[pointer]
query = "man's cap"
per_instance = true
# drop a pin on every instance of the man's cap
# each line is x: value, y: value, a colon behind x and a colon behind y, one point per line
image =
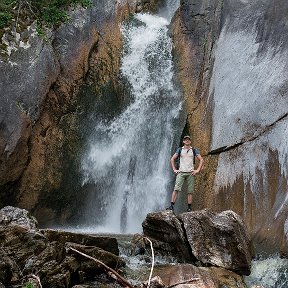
x: 187, y: 137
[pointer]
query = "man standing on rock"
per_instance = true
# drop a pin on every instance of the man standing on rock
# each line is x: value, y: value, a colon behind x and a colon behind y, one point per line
x: 185, y: 171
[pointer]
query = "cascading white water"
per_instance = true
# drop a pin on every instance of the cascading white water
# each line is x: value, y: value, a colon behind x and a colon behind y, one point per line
x: 128, y: 160
x: 268, y: 273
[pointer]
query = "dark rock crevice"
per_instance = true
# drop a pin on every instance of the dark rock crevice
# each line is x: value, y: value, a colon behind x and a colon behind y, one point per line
x: 263, y: 131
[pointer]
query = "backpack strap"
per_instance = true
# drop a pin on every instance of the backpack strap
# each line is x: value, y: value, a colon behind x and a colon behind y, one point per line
x: 195, y: 153
x: 178, y: 151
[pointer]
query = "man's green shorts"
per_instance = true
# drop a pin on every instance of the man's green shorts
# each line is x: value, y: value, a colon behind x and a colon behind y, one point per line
x: 184, y: 176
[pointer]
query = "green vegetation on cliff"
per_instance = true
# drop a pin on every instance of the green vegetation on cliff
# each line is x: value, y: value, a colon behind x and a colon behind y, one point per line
x: 46, y: 12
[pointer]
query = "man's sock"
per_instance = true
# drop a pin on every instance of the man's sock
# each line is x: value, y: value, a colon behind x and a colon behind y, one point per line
x: 189, y: 206
x: 172, y: 204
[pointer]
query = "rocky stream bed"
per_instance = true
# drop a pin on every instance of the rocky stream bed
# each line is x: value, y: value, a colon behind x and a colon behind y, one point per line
x: 194, y: 249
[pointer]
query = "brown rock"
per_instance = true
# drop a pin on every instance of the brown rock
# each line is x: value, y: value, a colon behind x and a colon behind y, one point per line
x: 257, y: 193
x: 90, y: 267
x: 44, y: 253
x: 107, y: 243
x: 200, y: 277
x: 156, y: 282
x: 166, y: 229
x: 9, y: 270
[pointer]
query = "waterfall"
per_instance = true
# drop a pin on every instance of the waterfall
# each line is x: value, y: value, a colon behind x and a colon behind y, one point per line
x: 269, y: 273
x: 128, y: 157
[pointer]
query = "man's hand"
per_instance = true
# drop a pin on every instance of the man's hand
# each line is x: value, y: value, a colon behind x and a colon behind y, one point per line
x: 194, y: 172
x: 176, y: 171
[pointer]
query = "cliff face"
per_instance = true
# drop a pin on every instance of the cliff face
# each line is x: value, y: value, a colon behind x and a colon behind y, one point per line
x: 41, y: 105
x: 232, y: 58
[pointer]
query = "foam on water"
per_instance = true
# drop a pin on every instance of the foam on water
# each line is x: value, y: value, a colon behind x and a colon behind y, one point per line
x: 128, y: 159
x: 271, y: 273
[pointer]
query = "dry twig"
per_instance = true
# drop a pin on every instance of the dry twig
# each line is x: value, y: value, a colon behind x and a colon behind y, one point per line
x: 184, y: 282
x: 36, y: 278
x: 152, y: 267
x: 107, y: 269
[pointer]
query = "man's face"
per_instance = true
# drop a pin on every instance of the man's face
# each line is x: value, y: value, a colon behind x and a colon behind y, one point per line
x: 187, y: 141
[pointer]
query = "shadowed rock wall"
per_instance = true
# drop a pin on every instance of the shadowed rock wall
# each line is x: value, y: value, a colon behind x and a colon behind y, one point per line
x: 41, y: 105
x: 232, y: 58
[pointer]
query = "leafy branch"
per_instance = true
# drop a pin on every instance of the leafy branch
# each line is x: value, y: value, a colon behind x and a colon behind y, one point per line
x: 49, y: 13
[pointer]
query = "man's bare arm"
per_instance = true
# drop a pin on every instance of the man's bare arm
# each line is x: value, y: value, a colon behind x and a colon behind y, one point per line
x: 172, y: 162
x: 200, y: 165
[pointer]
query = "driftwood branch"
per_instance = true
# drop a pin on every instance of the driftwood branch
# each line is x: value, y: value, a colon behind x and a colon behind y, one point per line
x: 152, y: 267
x: 111, y: 272
x: 184, y: 282
x: 37, y: 279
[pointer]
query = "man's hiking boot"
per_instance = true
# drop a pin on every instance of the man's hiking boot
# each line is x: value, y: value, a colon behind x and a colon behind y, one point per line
x: 189, y: 210
x: 170, y: 208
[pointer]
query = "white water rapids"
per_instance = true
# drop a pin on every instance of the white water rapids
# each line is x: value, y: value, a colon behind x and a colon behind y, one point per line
x: 128, y: 159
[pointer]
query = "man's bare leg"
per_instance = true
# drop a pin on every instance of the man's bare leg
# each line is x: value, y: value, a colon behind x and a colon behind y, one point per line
x: 174, y: 196
x: 189, y: 200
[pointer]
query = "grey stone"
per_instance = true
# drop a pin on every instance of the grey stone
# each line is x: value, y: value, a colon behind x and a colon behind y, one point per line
x: 165, y: 228
x: 10, y: 215
x: 219, y: 239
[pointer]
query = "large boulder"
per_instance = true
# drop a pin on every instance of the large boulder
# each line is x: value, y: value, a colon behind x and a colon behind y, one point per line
x: 167, y: 234
x: 217, y: 239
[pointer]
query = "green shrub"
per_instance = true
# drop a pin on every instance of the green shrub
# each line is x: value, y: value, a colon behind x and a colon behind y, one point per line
x: 5, y: 17
x: 47, y: 12
x: 28, y: 285
x: 54, y: 16
x: 7, y: 5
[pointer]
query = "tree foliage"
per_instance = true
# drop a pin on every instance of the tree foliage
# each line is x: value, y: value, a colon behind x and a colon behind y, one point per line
x: 47, y: 12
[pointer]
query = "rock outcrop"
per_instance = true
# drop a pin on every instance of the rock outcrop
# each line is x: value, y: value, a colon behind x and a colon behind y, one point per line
x: 53, y: 258
x: 42, y: 105
x: 231, y: 60
x: 231, y: 57
x: 218, y: 239
x: 26, y: 250
x: 166, y: 229
x: 201, y: 277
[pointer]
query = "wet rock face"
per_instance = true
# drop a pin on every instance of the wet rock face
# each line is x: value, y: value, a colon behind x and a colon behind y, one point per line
x: 25, y: 250
x: 41, y: 106
x: 236, y: 52
x: 218, y: 239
